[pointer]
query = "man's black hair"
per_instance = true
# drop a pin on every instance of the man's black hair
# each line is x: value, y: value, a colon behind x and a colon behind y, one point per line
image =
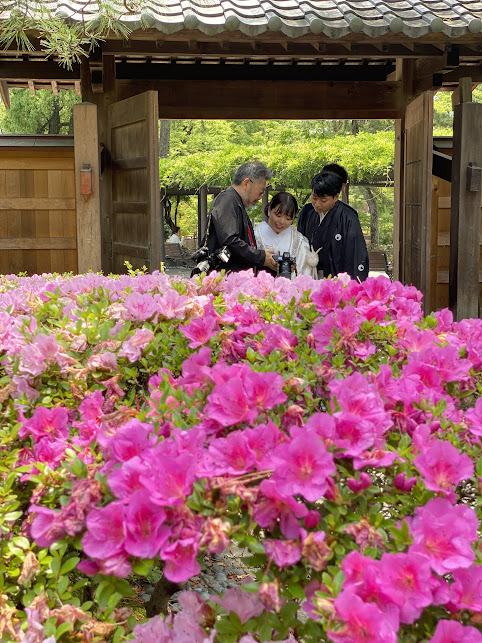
x: 326, y: 183
x: 337, y: 169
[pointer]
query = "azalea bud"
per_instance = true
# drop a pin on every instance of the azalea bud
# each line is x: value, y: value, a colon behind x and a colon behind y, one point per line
x: 216, y: 538
x: 359, y: 485
x: 333, y: 493
x: 401, y: 482
x: 295, y: 383
x: 310, y: 340
x: 312, y: 518
x: 365, y: 534
x: 269, y: 595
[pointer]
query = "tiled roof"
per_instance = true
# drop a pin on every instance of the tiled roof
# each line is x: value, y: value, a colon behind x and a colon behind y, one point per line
x: 294, y: 18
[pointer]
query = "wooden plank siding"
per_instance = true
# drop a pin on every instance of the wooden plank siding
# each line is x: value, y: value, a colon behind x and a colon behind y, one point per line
x: 37, y: 211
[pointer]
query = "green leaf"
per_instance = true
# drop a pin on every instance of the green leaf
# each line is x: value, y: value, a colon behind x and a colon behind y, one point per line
x: 62, y: 585
x: 21, y: 541
x: 265, y: 632
x: 62, y: 629
x: 142, y: 567
x: 225, y: 626
x: 69, y: 565
x: 296, y: 591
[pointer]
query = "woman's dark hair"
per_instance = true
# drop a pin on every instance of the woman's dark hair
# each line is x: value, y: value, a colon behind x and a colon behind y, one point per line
x: 176, y: 229
x: 337, y: 169
x: 285, y: 203
x: 326, y: 183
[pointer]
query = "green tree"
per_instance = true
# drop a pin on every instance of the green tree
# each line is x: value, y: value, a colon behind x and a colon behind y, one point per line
x: 43, y: 113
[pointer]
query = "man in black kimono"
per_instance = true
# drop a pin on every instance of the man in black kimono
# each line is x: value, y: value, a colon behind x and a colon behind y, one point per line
x: 230, y: 225
x: 333, y: 230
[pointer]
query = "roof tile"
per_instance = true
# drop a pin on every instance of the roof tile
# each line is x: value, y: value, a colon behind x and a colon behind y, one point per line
x: 333, y: 18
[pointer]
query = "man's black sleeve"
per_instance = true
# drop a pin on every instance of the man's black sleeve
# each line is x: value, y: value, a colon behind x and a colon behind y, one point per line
x: 227, y: 219
x: 302, y: 218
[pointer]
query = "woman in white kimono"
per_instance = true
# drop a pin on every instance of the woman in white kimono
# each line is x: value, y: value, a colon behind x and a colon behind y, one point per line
x: 279, y: 234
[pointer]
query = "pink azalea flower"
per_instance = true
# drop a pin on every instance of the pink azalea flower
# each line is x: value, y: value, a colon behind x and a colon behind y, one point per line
x: 131, y: 439
x: 170, y: 478
x: 125, y: 480
x: 231, y: 455
x: 50, y: 423
x: 357, y: 396
x: 47, y: 526
x: 106, y: 532
x: 245, y: 604
x: 273, y: 505
x: 278, y: 338
x: 261, y: 441
x: 200, y: 330
x: 442, y: 466
x: 466, y: 589
x: 473, y: 418
x: 374, y: 458
x: 171, y: 304
x: 146, y: 532
x: 454, y: 632
x: 229, y: 404
x: 406, y: 581
x: 283, y: 552
x: 363, y: 622
x: 303, y: 466
x: 102, y: 361
x: 180, y: 558
x: 196, y: 368
x: 140, y: 307
x: 132, y: 348
x: 50, y: 452
x: 442, y: 533
x: 264, y: 390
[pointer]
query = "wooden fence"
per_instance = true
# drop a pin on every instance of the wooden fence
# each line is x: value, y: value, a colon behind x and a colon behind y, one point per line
x: 37, y: 205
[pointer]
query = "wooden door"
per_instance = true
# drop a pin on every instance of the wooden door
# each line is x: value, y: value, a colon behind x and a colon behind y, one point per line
x: 132, y: 203
x: 417, y: 198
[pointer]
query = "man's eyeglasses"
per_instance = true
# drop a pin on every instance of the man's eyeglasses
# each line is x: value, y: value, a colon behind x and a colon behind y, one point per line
x: 261, y: 192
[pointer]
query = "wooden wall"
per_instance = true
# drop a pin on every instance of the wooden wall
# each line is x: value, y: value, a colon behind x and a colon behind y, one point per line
x: 440, y: 251
x: 37, y: 210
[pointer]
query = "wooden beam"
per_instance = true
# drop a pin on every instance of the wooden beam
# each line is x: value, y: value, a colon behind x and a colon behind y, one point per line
x: 47, y: 70
x: 38, y: 243
x: 270, y: 49
x: 86, y: 150
x: 270, y: 99
x: 465, y: 212
x: 5, y: 94
x: 308, y: 73
x: 78, y: 89
x: 55, y: 89
x: 470, y: 71
x: 463, y: 93
x: 31, y: 87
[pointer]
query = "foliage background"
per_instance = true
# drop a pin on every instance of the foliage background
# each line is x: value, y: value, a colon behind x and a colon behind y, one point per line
x: 208, y: 152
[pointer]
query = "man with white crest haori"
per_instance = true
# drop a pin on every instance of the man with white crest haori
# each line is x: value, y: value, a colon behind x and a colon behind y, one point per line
x: 333, y: 230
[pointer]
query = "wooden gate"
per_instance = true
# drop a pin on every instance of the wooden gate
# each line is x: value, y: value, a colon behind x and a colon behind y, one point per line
x: 415, y: 264
x: 131, y: 199
x: 37, y: 205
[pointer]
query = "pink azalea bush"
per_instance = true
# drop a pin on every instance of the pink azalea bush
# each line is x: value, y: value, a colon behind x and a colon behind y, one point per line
x: 325, y: 426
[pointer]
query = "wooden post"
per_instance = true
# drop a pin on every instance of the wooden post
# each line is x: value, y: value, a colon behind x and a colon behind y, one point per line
x: 162, y: 247
x: 87, y: 167
x: 202, y: 209
x: 264, y: 203
x: 465, y: 211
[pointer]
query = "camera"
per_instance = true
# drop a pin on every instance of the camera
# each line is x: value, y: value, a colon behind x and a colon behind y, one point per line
x: 206, y: 261
x: 285, y: 262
